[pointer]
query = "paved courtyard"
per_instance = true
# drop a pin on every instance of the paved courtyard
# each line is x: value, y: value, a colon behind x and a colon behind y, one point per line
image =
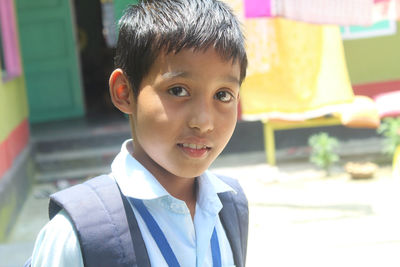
x: 298, y: 217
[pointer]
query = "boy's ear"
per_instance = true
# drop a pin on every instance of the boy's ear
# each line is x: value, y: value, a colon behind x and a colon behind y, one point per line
x: 121, y: 92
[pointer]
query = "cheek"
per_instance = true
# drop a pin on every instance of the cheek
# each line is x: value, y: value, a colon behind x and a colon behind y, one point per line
x: 156, y: 108
x: 156, y: 123
x: 225, y: 123
x: 151, y: 125
x: 150, y: 109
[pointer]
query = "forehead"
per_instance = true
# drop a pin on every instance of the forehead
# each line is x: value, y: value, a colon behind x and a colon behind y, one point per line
x: 190, y: 63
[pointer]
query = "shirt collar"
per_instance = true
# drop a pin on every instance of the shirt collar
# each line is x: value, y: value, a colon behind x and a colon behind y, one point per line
x: 209, y: 186
x: 133, y: 178
x: 137, y: 182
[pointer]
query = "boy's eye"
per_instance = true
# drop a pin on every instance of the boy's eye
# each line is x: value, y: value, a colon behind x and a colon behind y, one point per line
x: 224, y: 96
x: 178, y: 91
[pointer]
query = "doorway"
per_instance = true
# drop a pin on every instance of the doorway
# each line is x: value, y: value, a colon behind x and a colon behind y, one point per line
x: 96, y: 58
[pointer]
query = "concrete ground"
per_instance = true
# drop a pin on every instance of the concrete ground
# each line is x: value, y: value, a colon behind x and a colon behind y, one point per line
x: 298, y: 217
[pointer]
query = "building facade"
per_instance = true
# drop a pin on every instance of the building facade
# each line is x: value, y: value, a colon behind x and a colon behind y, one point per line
x: 14, y: 125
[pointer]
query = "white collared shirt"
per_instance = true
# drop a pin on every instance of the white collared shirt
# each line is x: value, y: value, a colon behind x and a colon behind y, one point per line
x: 58, y: 245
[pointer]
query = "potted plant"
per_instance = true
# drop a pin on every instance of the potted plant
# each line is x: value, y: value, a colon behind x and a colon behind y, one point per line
x: 389, y: 129
x: 323, y: 152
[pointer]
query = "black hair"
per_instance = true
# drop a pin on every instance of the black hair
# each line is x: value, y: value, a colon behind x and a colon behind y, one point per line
x: 154, y: 26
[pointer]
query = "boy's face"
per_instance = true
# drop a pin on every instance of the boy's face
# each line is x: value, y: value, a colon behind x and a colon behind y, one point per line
x: 185, y: 112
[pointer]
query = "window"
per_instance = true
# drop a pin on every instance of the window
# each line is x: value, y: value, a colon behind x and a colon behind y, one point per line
x: 381, y: 28
x: 9, y: 46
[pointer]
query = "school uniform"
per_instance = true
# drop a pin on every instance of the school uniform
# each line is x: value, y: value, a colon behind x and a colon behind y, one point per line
x: 190, y: 240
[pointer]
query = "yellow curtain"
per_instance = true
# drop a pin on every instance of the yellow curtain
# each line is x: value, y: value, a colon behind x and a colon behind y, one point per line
x: 296, y: 70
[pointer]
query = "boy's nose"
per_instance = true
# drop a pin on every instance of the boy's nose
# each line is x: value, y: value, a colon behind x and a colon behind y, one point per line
x: 201, y: 117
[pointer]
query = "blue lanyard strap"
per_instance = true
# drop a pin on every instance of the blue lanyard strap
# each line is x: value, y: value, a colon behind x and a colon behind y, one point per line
x: 162, y: 242
x: 157, y: 234
x: 216, y: 252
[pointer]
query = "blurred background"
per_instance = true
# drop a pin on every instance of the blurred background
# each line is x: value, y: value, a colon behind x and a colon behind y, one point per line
x: 316, y: 147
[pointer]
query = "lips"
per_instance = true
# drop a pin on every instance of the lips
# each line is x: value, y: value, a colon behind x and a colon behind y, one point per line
x: 194, y: 150
x: 194, y: 146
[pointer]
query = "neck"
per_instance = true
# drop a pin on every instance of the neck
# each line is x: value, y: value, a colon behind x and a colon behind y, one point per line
x: 184, y: 189
x: 181, y: 188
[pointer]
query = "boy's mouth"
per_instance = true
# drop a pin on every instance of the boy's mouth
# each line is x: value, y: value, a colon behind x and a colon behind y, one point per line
x: 194, y: 150
x: 194, y: 146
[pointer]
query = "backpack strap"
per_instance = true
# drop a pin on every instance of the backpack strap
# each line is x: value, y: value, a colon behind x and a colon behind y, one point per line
x: 99, y: 213
x: 142, y: 257
x: 235, y: 219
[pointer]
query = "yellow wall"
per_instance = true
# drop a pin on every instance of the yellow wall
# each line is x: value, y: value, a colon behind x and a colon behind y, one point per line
x: 13, y: 105
x: 374, y: 59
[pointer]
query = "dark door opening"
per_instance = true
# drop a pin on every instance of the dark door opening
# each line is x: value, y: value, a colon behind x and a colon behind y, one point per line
x: 96, y: 57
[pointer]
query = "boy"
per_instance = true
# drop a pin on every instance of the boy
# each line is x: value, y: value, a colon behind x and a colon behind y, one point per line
x: 179, y: 66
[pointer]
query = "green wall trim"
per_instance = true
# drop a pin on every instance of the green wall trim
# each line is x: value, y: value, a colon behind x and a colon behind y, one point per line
x: 120, y: 5
x: 373, y: 59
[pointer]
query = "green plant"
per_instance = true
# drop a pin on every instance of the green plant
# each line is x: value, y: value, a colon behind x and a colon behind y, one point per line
x: 390, y: 130
x: 323, y: 152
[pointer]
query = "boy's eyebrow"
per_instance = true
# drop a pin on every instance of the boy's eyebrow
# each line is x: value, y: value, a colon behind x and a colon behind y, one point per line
x: 185, y: 74
x: 175, y: 74
x: 232, y: 79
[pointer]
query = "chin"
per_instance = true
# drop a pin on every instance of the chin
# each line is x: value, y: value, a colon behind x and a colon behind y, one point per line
x: 189, y: 171
x: 188, y: 168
